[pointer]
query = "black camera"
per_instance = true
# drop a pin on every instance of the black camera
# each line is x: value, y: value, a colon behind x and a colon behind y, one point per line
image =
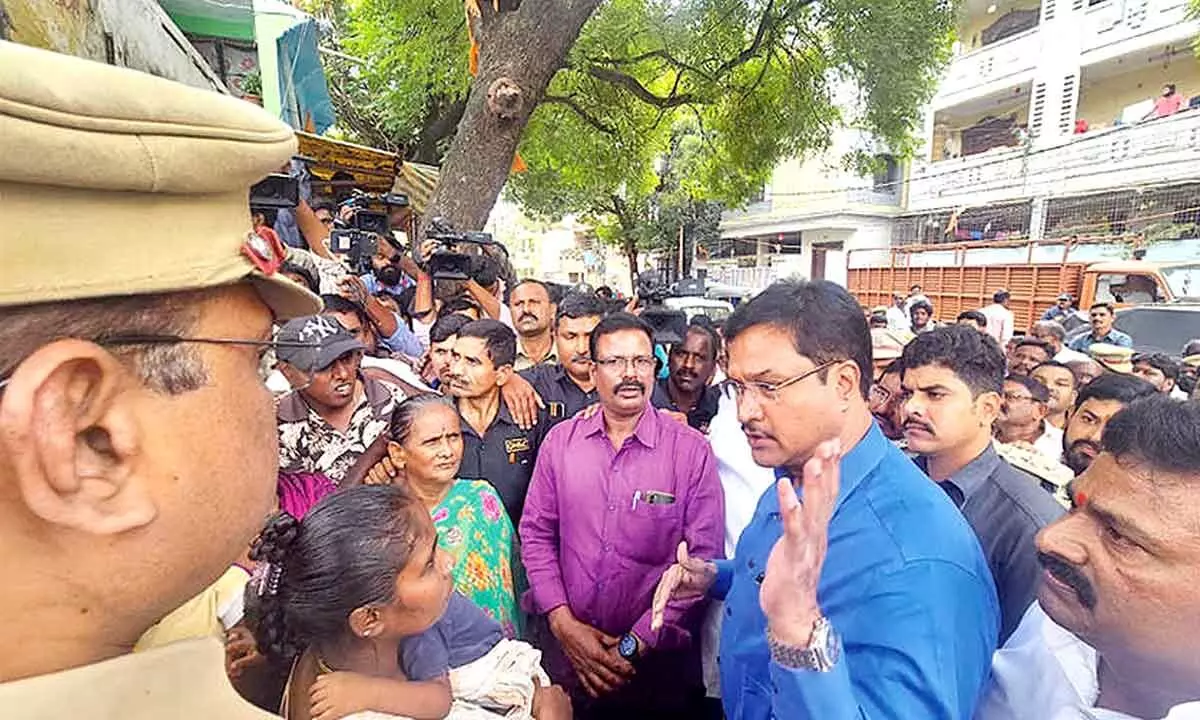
x: 453, y: 257
x: 359, y: 237
x: 669, y: 326
x: 275, y: 192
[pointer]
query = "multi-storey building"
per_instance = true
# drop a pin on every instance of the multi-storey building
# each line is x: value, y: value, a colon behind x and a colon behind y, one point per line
x: 810, y: 214
x: 1043, y: 127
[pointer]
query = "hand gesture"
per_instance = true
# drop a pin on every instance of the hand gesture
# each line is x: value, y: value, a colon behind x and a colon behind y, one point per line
x: 592, y: 653
x: 789, y: 588
x: 522, y: 400
x: 383, y: 472
x: 241, y: 652
x: 353, y: 289
x: 550, y: 703
x: 338, y: 694
x: 631, y: 307
x: 689, y: 577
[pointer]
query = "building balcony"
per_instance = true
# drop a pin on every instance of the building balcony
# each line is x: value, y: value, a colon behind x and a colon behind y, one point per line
x: 993, y: 67
x: 1117, y: 27
x: 1152, y: 152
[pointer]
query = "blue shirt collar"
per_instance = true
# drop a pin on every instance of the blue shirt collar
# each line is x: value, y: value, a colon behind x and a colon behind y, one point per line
x: 864, y: 457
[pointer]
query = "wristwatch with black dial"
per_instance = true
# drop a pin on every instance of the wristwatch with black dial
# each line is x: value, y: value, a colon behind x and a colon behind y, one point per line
x: 821, y: 655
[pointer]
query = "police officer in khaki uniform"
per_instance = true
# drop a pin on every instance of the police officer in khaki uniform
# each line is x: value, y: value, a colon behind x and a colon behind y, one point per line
x: 137, y: 440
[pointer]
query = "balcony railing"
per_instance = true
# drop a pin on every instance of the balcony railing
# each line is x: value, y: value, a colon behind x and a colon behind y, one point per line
x: 1006, y: 59
x: 1157, y: 151
x: 1115, y: 21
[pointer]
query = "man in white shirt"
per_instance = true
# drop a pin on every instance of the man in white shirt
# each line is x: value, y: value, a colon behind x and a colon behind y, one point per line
x: 744, y: 481
x: 1000, y: 318
x: 1112, y: 636
x: 1023, y: 416
x: 897, y: 314
x: 1055, y: 335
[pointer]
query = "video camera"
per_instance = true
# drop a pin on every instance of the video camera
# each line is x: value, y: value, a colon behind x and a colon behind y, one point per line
x: 358, y: 239
x: 275, y: 192
x: 448, y: 261
x: 669, y: 326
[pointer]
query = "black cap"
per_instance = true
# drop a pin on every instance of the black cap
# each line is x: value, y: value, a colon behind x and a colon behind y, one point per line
x: 333, y: 341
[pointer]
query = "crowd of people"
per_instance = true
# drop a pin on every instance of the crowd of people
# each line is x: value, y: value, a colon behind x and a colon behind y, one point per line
x: 240, y: 480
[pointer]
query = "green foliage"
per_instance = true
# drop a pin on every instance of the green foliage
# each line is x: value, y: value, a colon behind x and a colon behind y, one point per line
x: 723, y: 89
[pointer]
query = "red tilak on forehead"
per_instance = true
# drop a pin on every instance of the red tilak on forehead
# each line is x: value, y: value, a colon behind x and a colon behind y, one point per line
x: 1081, y: 498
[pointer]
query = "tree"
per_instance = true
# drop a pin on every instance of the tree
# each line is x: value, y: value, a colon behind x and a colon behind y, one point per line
x: 593, y: 108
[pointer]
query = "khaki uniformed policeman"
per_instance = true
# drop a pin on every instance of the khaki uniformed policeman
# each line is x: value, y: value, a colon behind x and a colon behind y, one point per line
x: 1113, y: 357
x: 137, y: 441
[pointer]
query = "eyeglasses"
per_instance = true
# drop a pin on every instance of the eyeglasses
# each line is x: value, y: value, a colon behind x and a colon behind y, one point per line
x: 879, y: 396
x: 1013, y: 397
x: 769, y: 392
x: 641, y: 363
x: 264, y: 370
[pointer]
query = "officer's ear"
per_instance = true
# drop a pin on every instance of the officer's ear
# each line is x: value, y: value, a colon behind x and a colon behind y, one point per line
x: 503, y: 374
x: 69, y: 427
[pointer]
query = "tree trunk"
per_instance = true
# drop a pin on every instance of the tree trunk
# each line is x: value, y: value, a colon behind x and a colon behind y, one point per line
x: 526, y: 46
x: 631, y: 254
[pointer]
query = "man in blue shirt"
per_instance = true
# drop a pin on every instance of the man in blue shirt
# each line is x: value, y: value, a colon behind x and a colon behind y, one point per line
x: 1102, y: 316
x: 1060, y: 310
x: 876, y: 564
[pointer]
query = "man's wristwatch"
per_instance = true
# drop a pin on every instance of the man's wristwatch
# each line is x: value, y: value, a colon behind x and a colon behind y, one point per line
x: 628, y: 647
x: 822, y: 654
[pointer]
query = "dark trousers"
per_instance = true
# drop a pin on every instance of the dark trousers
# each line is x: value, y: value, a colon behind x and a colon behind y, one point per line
x: 667, y: 685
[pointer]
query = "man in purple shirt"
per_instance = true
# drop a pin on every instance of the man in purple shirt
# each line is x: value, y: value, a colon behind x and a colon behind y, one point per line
x: 612, y: 497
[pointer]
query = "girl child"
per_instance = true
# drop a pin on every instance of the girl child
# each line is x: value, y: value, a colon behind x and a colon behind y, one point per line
x: 360, y: 599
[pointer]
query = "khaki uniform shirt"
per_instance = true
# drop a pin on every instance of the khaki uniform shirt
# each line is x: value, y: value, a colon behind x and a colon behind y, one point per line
x: 182, y: 680
x: 524, y: 362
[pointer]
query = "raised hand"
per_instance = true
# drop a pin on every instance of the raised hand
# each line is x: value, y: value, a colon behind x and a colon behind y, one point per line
x: 789, y: 588
x: 689, y: 577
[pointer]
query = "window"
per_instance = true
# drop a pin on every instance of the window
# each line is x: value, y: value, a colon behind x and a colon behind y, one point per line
x: 887, y: 174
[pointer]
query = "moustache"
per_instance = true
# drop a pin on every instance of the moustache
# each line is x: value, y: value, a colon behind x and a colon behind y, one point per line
x: 630, y: 385
x: 582, y: 359
x: 1069, y: 575
x: 1084, y: 444
x: 918, y: 425
x: 527, y: 316
x: 752, y: 429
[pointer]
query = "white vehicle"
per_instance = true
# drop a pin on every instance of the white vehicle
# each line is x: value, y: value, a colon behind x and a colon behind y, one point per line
x: 716, y: 310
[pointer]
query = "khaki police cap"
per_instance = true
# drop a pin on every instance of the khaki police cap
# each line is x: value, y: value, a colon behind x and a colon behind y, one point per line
x: 115, y: 182
x: 1114, y: 357
x: 1192, y: 361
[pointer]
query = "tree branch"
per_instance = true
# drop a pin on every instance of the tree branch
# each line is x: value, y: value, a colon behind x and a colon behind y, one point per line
x: 661, y: 54
x: 583, y: 114
x: 638, y: 90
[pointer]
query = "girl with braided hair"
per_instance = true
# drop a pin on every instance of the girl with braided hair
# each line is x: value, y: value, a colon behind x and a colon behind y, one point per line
x: 359, y: 598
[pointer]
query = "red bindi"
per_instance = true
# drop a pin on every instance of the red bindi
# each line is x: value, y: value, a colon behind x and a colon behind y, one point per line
x: 1081, y: 499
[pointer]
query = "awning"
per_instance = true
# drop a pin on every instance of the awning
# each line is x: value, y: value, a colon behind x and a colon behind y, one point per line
x: 372, y: 170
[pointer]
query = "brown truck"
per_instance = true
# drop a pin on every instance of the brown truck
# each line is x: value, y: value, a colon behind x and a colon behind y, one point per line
x: 963, y: 276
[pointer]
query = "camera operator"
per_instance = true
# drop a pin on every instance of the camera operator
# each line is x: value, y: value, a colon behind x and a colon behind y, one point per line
x: 393, y: 334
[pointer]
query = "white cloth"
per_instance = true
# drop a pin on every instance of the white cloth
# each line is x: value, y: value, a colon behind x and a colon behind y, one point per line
x: 898, y: 320
x: 506, y: 317
x: 744, y: 482
x: 1047, y: 673
x: 1000, y: 323
x: 399, y: 368
x: 1050, y: 443
x: 502, y: 679
x: 1067, y: 355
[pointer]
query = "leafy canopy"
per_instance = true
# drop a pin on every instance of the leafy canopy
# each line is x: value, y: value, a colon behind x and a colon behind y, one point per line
x: 722, y: 89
